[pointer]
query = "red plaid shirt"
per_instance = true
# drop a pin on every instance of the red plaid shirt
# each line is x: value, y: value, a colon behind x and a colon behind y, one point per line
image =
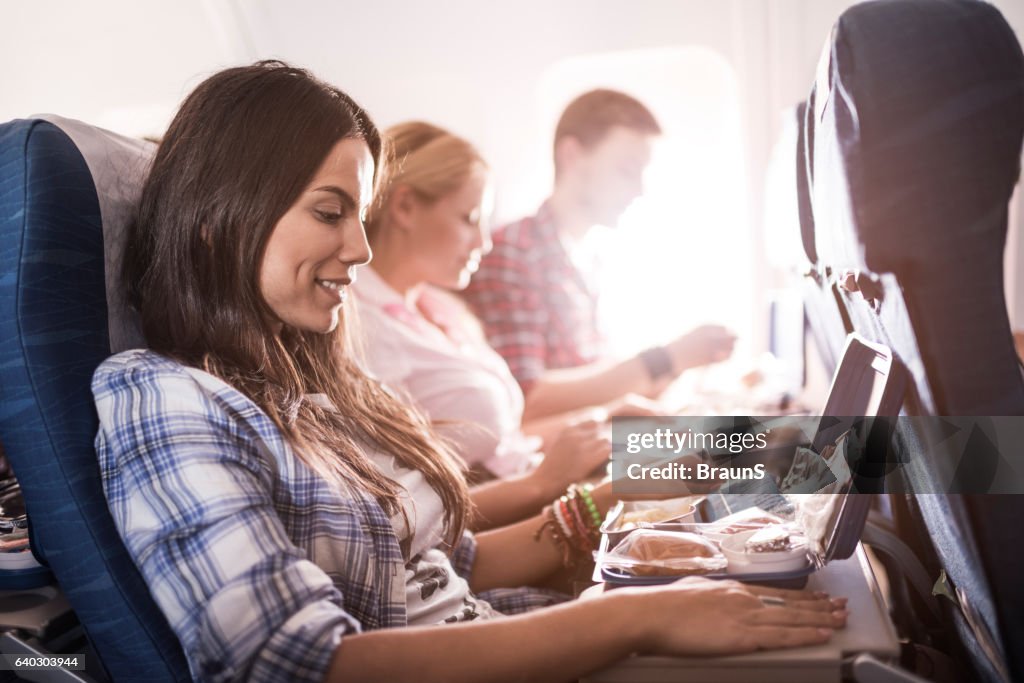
x: 538, y: 310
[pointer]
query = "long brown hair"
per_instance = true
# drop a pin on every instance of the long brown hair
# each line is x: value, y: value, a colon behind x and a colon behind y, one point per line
x: 237, y: 156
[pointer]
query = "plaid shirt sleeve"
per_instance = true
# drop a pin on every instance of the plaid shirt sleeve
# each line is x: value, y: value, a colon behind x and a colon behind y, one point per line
x: 507, y: 295
x: 189, y: 491
x: 464, y: 555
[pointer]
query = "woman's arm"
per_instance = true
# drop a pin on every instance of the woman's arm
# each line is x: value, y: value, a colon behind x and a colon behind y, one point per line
x: 578, y: 451
x: 514, y: 555
x: 504, y: 501
x: 630, y: 405
x: 690, y: 617
x: 570, y: 389
x: 548, y: 428
x: 556, y: 644
x: 559, y: 391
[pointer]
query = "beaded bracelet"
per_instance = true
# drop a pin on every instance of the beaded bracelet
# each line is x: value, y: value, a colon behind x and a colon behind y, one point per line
x: 580, y: 495
x: 579, y: 523
x: 574, y: 522
x: 588, y: 500
x: 580, y: 538
x: 552, y: 525
x: 563, y: 522
x: 589, y: 518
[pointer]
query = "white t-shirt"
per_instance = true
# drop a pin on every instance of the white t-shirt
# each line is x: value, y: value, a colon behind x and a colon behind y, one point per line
x: 453, y: 375
x: 434, y: 593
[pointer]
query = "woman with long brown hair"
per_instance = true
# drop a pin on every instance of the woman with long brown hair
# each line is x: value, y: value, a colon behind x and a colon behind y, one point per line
x: 285, y: 511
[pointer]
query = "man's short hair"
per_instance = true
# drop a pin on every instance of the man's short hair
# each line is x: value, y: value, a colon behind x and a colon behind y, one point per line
x: 589, y: 117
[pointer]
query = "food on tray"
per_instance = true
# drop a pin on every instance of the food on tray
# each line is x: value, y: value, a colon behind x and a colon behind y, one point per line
x: 648, y: 552
x: 778, y: 550
x: 749, y: 525
x: 748, y: 519
x: 655, y: 514
x: 664, y: 546
x: 770, y: 539
x: 650, y: 515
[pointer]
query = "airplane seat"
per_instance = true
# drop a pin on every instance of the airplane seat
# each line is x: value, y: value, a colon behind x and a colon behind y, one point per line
x: 912, y: 148
x: 826, y: 318
x: 66, y: 195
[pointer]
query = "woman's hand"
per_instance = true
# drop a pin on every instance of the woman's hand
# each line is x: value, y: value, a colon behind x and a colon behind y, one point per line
x: 703, y: 617
x: 576, y: 453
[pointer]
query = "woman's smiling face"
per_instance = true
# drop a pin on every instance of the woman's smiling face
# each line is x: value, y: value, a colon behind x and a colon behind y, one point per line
x: 313, y: 250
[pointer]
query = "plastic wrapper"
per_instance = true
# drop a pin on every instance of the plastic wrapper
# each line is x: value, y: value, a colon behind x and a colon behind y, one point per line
x: 654, y: 552
x: 654, y: 512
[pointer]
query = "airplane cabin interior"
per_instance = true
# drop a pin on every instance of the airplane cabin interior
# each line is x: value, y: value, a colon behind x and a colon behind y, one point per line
x: 829, y: 199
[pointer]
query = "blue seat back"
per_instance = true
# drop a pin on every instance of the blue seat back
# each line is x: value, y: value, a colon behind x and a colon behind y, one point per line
x: 911, y: 149
x: 58, y: 210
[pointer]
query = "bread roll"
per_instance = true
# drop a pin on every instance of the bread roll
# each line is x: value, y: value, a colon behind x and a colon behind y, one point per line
x: 662, y: 553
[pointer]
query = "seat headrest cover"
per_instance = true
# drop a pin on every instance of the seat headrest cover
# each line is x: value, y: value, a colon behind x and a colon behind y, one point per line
x: 118, y: 165
x: 919, y: 124
x: 805, y: 211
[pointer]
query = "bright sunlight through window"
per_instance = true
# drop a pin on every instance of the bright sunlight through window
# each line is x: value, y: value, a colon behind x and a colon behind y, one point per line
x: 681, y: 254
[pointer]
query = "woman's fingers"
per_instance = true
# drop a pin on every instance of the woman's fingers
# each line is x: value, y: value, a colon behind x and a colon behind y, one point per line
x: 586, y: 427
x: 791, y: 616
x: 773, y: 637
x: 599, y: 447
x: 787, y: 593
x: 811, y: 600
x: 831, y: 605
x: 729, y: 617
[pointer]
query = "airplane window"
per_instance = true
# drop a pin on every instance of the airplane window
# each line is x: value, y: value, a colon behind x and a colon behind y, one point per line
x: 681, y: 254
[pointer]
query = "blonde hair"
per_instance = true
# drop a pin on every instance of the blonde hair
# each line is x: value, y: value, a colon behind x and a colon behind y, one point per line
x: 428, y: 159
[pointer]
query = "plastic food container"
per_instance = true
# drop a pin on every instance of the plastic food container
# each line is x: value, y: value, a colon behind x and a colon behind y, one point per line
x: 625, y: 517
x: 741, y: 561
x: 658, y: 552
x: 750, y: 519
x: 868, y: 382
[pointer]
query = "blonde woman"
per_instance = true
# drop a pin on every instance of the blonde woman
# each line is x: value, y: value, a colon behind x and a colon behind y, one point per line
x: 292, y: 520
x: 428, y: 230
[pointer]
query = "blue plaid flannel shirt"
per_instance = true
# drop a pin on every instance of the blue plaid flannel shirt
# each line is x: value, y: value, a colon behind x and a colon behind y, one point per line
x: 260, y: 566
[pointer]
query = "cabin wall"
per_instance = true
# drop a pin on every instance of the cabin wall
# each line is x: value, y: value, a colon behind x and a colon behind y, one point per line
x: 474, y: 67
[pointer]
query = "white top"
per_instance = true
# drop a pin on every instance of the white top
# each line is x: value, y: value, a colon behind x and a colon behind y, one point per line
x: 453, y: 375
x: 434, y: 593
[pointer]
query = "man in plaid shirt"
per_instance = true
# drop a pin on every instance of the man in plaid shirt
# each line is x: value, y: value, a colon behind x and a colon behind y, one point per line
x: 538, y: 306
